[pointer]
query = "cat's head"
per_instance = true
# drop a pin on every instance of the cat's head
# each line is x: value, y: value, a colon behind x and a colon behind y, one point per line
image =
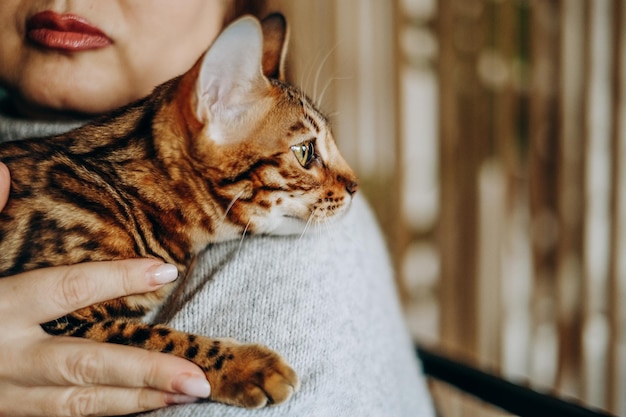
x: 268, y: 153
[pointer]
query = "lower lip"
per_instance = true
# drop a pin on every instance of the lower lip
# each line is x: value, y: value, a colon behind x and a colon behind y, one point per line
x: 66, y: 32
x: 67, y: 41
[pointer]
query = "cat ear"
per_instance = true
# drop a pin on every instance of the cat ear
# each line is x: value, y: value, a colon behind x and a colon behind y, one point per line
x: 230, y: 76
x: 275, y: 39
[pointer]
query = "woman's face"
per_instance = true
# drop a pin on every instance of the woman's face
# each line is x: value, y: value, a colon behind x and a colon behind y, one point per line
x: 90, y: 56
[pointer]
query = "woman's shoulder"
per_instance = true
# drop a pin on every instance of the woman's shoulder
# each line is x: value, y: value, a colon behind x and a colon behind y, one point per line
x: 336, y: 256
x: 326, y: 301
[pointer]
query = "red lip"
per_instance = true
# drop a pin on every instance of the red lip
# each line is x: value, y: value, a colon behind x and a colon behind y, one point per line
x: 66, y: 32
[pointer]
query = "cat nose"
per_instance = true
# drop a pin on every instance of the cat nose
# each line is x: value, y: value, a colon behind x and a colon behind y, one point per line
x: 350, y: 183
x: 351, y: 187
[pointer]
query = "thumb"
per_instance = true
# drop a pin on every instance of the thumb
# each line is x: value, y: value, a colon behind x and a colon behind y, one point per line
x: 5, y: 184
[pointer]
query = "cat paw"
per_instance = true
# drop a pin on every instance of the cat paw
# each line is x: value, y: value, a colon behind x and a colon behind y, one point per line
x: 250, y: 376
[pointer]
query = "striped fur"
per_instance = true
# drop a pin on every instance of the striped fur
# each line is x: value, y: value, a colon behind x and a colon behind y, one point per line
x: 193, y: 163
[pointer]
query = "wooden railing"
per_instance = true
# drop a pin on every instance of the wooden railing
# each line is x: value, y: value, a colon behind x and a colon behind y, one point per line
x: 490, y: 137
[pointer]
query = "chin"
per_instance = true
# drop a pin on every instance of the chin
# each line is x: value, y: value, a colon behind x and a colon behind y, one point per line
x: 77, y: 86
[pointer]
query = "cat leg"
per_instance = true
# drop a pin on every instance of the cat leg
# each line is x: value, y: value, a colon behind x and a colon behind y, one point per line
x: 245, y: 375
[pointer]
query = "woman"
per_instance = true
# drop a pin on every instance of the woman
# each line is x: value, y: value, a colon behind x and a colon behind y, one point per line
x: 326, y: 302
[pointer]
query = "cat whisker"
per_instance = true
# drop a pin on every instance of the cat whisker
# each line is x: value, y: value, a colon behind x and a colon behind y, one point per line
x: 243, y: 235
x: 333, y: 115
x: 327, y: 225
x: 319, y: 72
x: 228, y: 208
x: 322, y: 225
x: 323, y: 232
x: 308, y: 223
x: 306, y: 75
x: 320, y: 99
x: 231, y: 204
x: 331, y: 235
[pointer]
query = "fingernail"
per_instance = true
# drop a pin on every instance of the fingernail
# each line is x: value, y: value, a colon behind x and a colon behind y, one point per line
x: 195, y: 387
x: 163, y: 274
x: 174, y: 399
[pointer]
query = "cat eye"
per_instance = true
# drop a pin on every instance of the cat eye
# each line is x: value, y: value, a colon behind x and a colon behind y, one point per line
x: 304, y: 152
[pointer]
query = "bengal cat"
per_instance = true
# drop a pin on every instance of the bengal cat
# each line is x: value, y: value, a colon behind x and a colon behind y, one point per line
x: 225, y: 149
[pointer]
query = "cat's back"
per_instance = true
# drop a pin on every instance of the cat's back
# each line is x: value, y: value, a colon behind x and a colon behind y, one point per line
x: 64, y: 204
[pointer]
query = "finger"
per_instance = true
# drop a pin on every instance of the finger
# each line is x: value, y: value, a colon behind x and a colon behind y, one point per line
x: 68, y: 361
x: 46, y: 294
x: 5, y: 184
x: 84, y: 401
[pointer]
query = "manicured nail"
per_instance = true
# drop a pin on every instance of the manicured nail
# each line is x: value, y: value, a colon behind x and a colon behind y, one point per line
x: 174, y: 399
x: 163, y: 274
x: 195, y: 387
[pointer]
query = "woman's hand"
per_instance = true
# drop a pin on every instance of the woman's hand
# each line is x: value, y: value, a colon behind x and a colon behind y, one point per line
x: 5, y: 184
x: 65, y: 376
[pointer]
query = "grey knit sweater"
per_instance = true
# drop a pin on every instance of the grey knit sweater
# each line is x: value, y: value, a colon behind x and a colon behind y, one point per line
x: 325, y: 301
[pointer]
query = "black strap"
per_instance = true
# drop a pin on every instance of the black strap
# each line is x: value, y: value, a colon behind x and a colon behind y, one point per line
x: 501, y: 393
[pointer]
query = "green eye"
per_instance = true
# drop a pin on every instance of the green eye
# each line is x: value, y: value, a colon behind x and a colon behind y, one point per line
x: 304, y: 152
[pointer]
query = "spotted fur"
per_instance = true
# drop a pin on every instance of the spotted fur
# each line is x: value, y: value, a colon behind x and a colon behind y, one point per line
x: 228, y: 148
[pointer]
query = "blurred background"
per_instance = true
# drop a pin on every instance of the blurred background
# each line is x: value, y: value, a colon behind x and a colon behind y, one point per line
x: 489, y: 136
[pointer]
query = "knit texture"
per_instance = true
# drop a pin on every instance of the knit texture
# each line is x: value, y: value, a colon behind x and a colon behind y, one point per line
x: 326, y: 301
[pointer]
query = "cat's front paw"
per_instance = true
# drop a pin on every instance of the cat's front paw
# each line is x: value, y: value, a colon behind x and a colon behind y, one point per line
x: 250, y: 376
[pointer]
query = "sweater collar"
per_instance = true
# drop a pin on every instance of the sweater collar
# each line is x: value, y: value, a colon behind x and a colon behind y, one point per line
x: 13, y: 128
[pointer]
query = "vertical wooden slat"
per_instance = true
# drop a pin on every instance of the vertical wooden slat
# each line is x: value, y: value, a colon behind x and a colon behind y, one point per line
x: 617, y: 399
x: 586, y: 51
x: 448, y: 130
x: 543, y: 134
x: 507, y: 39
x: 511, y: 143
x: 413, y: 212
x: 495, y: 68
x: 613, y: 397
x: 462, y: 125
x: 597, y: 208
x: 618, y: 378
x: 570, y: 197
x: 491, y: 207
x: 399, y: 234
